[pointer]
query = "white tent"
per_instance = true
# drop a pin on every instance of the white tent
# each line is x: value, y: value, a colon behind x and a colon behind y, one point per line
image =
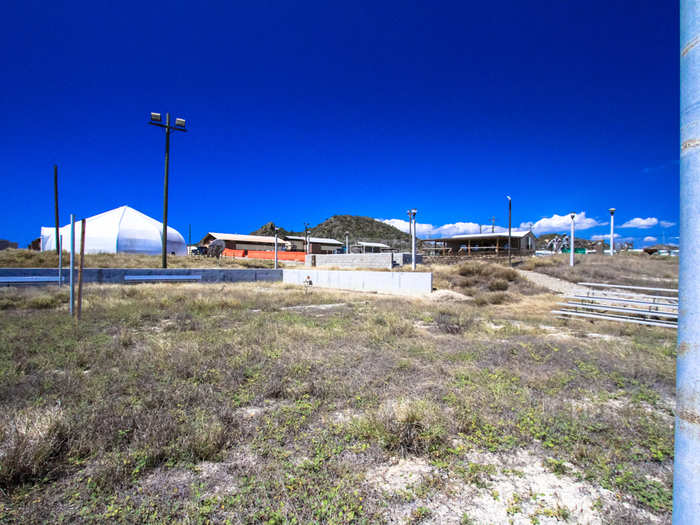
x: 121, y: 230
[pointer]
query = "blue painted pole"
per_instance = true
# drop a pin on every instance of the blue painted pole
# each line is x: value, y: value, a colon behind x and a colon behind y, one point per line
x: 72, y: 262
x: 686, y: 465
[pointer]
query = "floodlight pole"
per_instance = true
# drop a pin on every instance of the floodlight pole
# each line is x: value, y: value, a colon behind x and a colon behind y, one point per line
x: 276, y: 247
x: 412, y: 229
x: 164, y: 254
x: 55, y: 199
x: 306, y: 237
x: 612, y: 231
x: 571, y: 243
x: 686, y: 464
x: 510, y: 202
x: 168, y: 129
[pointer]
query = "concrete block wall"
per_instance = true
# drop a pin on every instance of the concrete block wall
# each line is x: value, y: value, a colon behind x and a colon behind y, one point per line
x: 408, y: 283
x: 353, y: 260
x: 363, y: 260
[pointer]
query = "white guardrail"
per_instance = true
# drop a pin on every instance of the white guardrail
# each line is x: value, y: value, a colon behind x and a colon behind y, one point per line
x: 622, y: 303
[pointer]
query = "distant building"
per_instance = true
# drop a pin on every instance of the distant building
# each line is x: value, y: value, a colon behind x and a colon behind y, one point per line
x: 5, y: 244
x: 370, y: 247
x: 236, y: 241
x: 523, y: 243
x: 317, y: 245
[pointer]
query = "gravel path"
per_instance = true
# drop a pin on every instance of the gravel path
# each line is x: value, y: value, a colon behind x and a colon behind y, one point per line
x: 552, y: 283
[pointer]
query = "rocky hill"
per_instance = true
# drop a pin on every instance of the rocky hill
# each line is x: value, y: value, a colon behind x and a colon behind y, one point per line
x: 359, y: 228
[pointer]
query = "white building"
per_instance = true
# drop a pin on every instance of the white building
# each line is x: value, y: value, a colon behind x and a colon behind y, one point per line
x: 121, y: 230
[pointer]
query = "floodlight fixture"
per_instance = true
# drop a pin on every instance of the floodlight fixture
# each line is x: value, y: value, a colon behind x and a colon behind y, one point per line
x: 180, y: 122
x: 612, y: 211
x: 155, y: 117
x: 572, y: 215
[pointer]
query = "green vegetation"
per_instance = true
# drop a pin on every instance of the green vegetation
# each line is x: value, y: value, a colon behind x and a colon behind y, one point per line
x: 213, y: 404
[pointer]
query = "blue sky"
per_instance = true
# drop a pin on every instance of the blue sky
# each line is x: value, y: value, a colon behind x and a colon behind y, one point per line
x: 299, y: 111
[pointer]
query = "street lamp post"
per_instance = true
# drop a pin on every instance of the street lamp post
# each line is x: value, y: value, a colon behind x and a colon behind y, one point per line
x: 572, y: 243
x: 510, y: 202
x: 156, y: 120
x: 612, y: 230
x: 412, y: 227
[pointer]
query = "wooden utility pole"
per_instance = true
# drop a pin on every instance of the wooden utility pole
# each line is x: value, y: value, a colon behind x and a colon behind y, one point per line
x: 493, y: 224
x: 55, y: 201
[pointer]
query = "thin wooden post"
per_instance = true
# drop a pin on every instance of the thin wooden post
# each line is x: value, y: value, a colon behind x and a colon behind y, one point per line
x: 55, y: 201
x: 80, y: 268
x: 469, y: 247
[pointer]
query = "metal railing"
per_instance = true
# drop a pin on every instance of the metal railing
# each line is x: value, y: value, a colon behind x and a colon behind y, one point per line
x: 613, y: 302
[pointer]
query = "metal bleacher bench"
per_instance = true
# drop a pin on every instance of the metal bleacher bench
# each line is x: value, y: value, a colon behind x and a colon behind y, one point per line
x: 165, y: 277
x: 613, y: 302
x: 28, y: 279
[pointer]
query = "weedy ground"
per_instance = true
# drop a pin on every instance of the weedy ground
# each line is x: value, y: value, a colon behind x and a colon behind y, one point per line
x: 636, y: 269
x: 259, y: 403
x: 49, y: 259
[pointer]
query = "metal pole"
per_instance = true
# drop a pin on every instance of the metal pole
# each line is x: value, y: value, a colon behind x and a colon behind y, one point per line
x: 510, y: 260
x: 55, y: 200
x: 347, y: 242
x: 72, y: 262
x: 60, y: 260
x: 80, y: 268
x: 165, y: 192
x: 686, y: 465
x: 572, y: 243
x: 413, y: 244
x: 275, y: 248
x: 612, y: 231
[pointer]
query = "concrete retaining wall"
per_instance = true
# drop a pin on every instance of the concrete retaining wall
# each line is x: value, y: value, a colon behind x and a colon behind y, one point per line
x: 409, y: 283
x: 116, y: 275
x: 362, y: 260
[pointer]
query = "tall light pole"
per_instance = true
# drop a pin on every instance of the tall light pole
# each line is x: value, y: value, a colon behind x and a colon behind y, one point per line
x: 686, y: 464
x: 347, y: 242
x: 156, y: 120
x: 612, y: 231
x: 572, y: 243
x: 510, y: 202
x: 276, y: 230
x: 412, y: 227
x: 306, y: 236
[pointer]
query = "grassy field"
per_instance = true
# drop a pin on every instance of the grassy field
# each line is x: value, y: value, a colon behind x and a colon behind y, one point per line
x: 630, y: 269
x: 49, y: 259
x: 258, y: 403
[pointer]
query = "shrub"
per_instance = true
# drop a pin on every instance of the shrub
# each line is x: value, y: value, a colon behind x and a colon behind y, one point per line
x: 507, y: 274
x: 469, y: 269
x: 497, y: 298
x: 498, y: 285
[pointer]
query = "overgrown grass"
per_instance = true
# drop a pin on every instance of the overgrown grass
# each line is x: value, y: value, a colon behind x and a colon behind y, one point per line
x: 198, y: 403
x: 49, y: 259
x: 624, y: 268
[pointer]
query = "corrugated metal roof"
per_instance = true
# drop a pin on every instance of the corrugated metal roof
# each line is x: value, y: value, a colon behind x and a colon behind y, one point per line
x: 317, y: 240
x: 372, y: 244
x: 237, y: 237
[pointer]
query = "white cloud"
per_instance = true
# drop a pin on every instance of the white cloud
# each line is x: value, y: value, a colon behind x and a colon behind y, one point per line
x: 640, y: 223
x: 667, y: 224
x: 605, y: 237
x: 650, y: 238
x: 557, y: 223
x: 446, y: 230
